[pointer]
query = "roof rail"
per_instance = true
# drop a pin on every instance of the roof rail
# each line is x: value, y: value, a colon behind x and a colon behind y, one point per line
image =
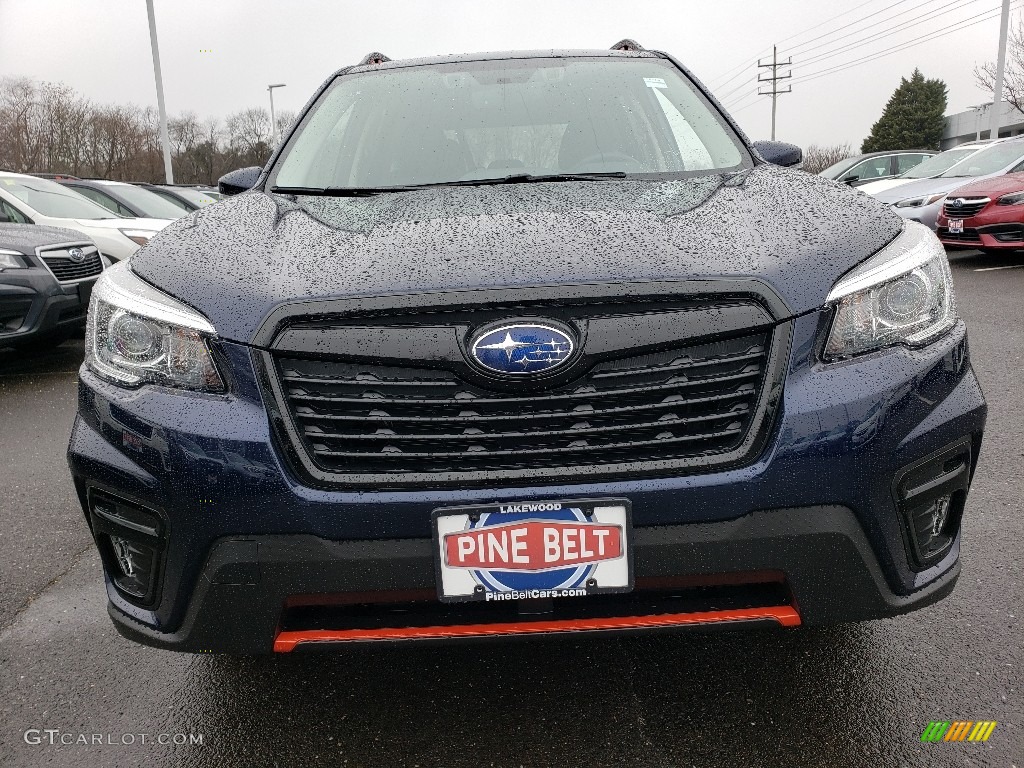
x: 373, y: 58
x: 54, y: 176
x: 628, y: 45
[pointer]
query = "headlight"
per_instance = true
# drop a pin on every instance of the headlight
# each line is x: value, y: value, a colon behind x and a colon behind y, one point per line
x: 11, y: 260
x: 919, y: 202
x: 139, y: 335
x: 1017, y: 198
x: 139, y: 236
x: 901, y: 295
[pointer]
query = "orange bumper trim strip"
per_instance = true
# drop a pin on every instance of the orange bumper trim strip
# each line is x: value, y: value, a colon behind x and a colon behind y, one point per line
x: 286, y: 641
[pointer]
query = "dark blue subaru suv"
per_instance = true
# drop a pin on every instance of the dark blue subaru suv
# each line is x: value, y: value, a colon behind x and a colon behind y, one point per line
x: 519, y: 344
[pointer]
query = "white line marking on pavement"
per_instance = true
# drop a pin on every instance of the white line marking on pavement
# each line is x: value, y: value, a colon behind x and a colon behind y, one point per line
x: 993, y: 269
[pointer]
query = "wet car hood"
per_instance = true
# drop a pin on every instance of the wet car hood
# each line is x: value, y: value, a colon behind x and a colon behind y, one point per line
x: 994, y: 187
x: 920, y: 188
x: 237, y: 261
x: 25, y: 238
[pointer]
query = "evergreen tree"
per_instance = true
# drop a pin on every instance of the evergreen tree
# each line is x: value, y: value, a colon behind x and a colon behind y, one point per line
x: 913, y: 117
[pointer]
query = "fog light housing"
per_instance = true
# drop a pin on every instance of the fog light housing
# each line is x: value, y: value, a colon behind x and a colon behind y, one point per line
x: 131, y: 541
x: 930, y: 495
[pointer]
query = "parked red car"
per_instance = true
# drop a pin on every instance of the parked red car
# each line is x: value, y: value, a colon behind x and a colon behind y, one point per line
x: 987, y: 214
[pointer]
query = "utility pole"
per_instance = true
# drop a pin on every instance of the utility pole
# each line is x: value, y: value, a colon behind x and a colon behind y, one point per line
x: 164, y: 139
x: 997, y: 91
x: 774, y: 80
x: 273, y: 117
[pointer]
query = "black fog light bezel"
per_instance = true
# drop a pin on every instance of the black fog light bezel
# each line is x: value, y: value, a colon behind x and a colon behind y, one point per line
x: 917, y: 486
x: 113, y: 516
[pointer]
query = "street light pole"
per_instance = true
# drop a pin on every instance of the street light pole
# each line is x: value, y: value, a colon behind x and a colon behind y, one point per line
x: 273, y: 119
x: 997, y: 91
x: 164, y: 138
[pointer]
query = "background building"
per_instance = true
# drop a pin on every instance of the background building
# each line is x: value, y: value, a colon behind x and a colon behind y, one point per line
x: 973, y: 124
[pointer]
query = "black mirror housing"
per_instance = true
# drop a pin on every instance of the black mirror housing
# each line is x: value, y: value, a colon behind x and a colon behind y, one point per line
x: 779, y: 153
x: 239, y: 180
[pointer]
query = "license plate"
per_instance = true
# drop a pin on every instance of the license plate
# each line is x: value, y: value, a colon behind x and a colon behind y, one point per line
x: 956, y: 226
x: 533, y: 550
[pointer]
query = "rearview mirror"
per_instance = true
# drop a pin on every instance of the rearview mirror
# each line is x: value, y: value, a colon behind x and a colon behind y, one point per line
x: 239, y: 180
x: 779, y: 153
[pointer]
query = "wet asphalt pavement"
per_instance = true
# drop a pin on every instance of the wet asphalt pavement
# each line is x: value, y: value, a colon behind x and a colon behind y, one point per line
x: 848, y: 696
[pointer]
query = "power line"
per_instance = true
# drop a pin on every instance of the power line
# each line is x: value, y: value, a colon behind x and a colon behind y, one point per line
x: 732, y: 74
x: 827, y: 54
x: 802, y: 47
x: 823, y: 23
x: 739, y: 106
x: 963, y: 24
x: 875, y: 36
x: 733, y: 101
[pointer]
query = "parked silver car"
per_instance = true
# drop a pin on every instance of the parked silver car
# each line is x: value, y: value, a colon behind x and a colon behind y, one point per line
x: 863, y: 169
x: 936, y: 165
x: 922, y: 200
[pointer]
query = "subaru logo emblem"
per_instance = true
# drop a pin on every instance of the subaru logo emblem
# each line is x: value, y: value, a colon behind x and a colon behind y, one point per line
x: 77, y: 255
x: 522, y: 348
x: 958, y: 202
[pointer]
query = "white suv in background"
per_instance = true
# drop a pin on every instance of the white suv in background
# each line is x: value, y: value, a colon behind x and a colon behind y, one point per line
x: 929, y: 169
x: 28, y: 199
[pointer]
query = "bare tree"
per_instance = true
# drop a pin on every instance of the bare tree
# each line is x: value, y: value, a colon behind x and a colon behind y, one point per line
x: 1013, y: 74
x: 284, y: 120
x: 21, y: 145
x: 249, y: 134
x: 817, y: 159
x: 50, y: 128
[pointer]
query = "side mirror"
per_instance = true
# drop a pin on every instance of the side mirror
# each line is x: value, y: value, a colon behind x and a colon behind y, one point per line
x: 239, y: 181
x: 4, y: 218
x: 779, y: 153
x: 850, y: 179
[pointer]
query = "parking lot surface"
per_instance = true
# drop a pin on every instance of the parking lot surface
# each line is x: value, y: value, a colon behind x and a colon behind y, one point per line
x: 849, y: 696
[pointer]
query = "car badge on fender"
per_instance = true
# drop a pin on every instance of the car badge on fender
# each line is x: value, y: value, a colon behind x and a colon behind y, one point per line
x: 522, y: 348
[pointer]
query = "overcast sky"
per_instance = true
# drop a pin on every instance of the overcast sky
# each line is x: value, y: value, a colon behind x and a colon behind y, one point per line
x: 219, y: 55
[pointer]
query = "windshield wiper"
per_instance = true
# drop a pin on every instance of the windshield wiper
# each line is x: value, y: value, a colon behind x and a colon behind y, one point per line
x: 518, y: 178
x: 338, y: 191
x: 530, y: 178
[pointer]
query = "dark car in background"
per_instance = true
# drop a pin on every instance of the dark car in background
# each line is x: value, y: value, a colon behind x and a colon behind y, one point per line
x: 875, y: 166
x: 518, y: 344
x: 46, y: 279
x: 188, y: 198
x: 986, y: 214
x: 125, y: 199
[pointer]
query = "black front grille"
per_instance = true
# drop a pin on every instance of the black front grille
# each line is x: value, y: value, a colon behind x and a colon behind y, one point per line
x: 679, y: 405
x: 66, y: 270
x: 965, y: 236
x: 968, y: 206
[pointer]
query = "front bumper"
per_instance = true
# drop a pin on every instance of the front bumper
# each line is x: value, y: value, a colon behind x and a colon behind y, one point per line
x: 34, y: 305
x: 821, y: 552
x: 814, y: 514
x: 925, y: 214
x: 994, y: 228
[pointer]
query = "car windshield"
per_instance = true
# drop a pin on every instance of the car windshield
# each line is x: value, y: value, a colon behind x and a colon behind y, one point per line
x: 148, y: 204
x: 835, y: 171
x: 481, y: 120
x: 990, y: 160
x: 936, y: 164
x: 49, y: 198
